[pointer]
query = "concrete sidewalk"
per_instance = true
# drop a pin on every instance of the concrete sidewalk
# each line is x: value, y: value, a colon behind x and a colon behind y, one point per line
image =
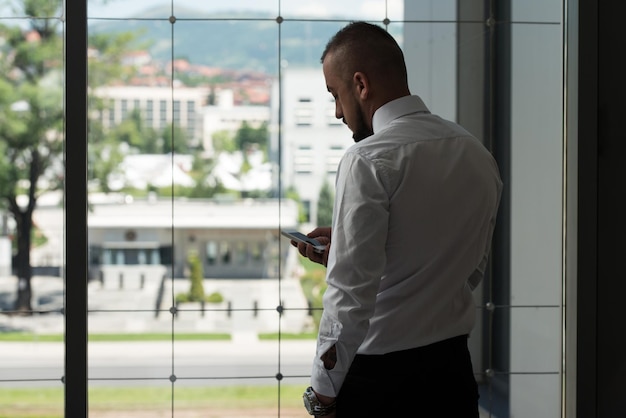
x: 249, y: 308
x: 145, y: 350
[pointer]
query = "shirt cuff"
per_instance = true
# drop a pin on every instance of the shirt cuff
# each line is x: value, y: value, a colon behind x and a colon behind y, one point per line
x: 326, y: 382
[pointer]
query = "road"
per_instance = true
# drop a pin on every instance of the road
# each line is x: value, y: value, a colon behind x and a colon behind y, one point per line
x: 191, y: 363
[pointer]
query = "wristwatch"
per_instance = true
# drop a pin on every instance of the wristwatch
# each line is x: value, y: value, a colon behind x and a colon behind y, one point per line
x: 313, y: 405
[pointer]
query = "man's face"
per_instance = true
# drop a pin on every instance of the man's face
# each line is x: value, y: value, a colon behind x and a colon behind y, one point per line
x: 347, y: 104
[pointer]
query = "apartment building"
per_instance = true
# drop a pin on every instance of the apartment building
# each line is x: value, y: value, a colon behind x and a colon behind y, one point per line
x: 311, y: 139
x: 159, y: 107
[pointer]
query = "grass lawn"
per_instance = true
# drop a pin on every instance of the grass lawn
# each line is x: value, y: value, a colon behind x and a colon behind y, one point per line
x: 26, y: 336
x: 49, y: 402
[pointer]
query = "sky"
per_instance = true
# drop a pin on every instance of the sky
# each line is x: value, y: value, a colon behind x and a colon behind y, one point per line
x: 362, y: 9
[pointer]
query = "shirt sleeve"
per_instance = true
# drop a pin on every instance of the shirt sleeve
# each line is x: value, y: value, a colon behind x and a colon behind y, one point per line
x: 355, y: 266
x: 478, y: 274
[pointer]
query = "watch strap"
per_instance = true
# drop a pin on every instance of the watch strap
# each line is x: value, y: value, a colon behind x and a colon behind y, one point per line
x: 314, y: 406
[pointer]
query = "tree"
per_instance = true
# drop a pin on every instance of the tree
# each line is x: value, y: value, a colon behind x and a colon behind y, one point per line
x: 325, y: 205
x: 174, y: 140
x: 196, y: 291
x: 292, y: 193
x: 104, y: 156
x: 105, y: 148
x: 206, y: 184
x: 31, y: 119
x: 223, y: 141
x: 247, y: 136
x: 196, y: 288
x: 32, y: 129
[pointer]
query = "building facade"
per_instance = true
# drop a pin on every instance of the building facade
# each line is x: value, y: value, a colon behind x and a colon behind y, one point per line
x: 159, y: 107
x: 132, y: 237
x: 311, y: 140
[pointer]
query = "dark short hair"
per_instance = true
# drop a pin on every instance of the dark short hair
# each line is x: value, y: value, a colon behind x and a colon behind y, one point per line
x: 364, y: 44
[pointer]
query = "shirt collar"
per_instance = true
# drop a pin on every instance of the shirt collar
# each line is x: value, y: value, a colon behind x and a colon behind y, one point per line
x: 395, y: 109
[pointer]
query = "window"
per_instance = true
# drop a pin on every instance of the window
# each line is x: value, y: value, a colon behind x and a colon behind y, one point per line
x: 226, y: 254
x: 176, y: 114
x: 150, y: 113
x: 304, y: 160
x: 211, y: 252
x: 517, y: 351
x: 111, y: 112
x: 191, y: 119
x: 162, y: 113
x: 124, y: 109
x: 335, y: 152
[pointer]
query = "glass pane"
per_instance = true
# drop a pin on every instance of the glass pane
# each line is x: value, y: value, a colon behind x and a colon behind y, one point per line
x: 118, y: 9
x: 239, y: 9
x: 535, y: 348
x: 131, y: 398
x: 537, y: 11
x: 31, y: 215
x: 429, y: 10
x: 431, y: 50
x: 536, y: 221
x: 133, y: 129
x: 375, y: 10
x: 536, y: 395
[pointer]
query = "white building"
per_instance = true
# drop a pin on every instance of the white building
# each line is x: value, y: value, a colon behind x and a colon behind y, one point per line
x: 188, y: 109
x: 234, y: 238
x: 159, y: 106
x: 311, y: 140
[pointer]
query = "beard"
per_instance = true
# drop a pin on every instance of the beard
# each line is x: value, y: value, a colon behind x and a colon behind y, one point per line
x: 361, y: 130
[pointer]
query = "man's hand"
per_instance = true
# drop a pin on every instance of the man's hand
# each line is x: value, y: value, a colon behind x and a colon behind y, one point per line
x: 322, y: 234
x: 330, y: 358
x: 326, y: 400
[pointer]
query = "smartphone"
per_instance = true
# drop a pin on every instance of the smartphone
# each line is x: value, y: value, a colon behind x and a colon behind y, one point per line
x: 299, y: 237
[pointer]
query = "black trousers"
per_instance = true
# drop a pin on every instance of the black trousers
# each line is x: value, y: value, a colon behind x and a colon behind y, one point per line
x: 431, y: 381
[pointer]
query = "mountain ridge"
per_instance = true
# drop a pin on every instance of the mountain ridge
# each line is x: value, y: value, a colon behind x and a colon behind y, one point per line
x: 231, y: 40
x: 238, y: 40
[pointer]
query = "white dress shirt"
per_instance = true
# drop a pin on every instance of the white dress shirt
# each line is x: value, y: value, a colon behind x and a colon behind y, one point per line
x: 414, y: 214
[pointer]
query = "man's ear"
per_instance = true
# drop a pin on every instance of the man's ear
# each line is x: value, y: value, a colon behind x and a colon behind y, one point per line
x: 361, y: 85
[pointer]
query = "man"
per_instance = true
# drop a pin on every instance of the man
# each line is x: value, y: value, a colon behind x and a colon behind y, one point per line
x: 414, y: 213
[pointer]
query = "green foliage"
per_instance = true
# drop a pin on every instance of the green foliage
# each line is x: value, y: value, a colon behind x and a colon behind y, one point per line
x: 104, y: 151
x: 175, y: 140
x: 292, y: 193
x: 38, y: 238
x: 205, y: 185
x: 248, y: 137
x: 31, y: 121
x: 223, y: 141
x: 196, y: 292
x: 104, y: 156
x: 215, y: 297
x: 124, y: 401
x: 109, y: 50
x: 313, y: 283
x: 325, y: 205
x: 8, y: 337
